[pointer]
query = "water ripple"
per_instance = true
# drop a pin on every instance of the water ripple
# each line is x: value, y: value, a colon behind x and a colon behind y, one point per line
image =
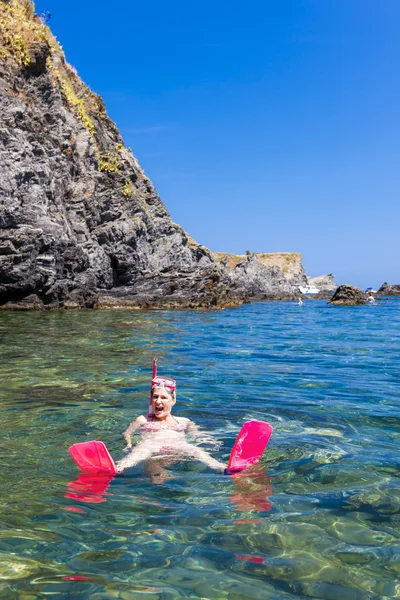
x: 319, y: 517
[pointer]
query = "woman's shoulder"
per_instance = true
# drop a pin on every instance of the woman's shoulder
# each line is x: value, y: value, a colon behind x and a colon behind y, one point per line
x: 141, y: 419
x: 183, y: 421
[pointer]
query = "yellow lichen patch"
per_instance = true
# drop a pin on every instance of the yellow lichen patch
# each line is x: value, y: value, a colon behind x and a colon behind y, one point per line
x: 287, y: 257
x: 229, y: 260
x: 286, y: 261
x: 79, y: 103
x: 127, y: 190
x: 75, y: 95
x: 108, y: 163
x: 19, y: 30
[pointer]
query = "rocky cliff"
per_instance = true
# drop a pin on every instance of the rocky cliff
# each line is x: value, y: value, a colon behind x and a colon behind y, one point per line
x: 325, y: 283
x: 389, y: 289
x: 260, y: 275
x: 80, y: 223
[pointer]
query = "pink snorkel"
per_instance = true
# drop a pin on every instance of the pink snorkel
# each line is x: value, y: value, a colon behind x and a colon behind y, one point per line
x: 151, y: 386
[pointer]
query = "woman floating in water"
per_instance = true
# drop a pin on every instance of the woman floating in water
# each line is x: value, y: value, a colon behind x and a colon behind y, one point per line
x: 162, y: 434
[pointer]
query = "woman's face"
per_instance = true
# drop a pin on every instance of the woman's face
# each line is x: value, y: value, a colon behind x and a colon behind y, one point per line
x: 162, y: 402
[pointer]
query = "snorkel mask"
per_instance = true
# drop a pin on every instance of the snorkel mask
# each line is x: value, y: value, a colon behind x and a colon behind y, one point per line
x: 165, y: 382
x: 157, y: 381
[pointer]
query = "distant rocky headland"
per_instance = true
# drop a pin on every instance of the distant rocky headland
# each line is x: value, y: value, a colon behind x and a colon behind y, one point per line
x: 325, y: 283
x: 81, y: 225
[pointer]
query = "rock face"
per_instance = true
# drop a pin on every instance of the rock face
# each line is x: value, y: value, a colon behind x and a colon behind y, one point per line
x: 80, y: 223
x: 259, y: 275
x: 325, y: 283
x: 388, y: 289
x: 347, y: 295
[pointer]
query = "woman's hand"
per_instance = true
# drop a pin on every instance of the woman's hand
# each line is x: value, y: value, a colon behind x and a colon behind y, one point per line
x: 128, y: 447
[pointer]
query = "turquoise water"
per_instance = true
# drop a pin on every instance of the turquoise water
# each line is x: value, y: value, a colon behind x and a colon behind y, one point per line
x: 319, y: 517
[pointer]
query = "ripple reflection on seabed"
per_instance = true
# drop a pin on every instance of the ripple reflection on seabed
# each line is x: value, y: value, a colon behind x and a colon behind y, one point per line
x: 252, y: 490
x: 89, y: 487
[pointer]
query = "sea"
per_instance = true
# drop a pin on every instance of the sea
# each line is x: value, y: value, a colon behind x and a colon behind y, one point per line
x: 317, y: 517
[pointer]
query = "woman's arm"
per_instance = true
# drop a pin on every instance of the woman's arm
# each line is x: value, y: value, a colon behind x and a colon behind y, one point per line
x: 191, y: 428
x: 131, y: 429
x: 199, y: 436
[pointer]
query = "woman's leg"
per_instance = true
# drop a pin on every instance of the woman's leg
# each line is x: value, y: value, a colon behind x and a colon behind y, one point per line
x: 140, y: 453
x: 143, y: 451
x: 155, y: 468
x: 203, y: 456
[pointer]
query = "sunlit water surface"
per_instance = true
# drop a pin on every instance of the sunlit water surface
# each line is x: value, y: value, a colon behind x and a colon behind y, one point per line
x: 319, y: 517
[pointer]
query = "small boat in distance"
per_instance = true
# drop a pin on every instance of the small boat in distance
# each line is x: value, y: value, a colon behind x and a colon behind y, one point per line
x: 309, y: 289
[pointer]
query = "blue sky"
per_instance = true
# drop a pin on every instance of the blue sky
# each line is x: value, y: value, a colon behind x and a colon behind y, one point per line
x: 265, y: 125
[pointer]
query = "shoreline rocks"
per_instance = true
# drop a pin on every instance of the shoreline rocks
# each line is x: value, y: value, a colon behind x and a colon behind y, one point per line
x: 347, y: 295
x: 388, y: 289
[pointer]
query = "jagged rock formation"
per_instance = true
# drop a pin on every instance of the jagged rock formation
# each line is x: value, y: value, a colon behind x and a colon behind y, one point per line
x: 325, y: 283
x: 347, y: 295
x: 80, y: 223
x: 388, y: 289
x: 260, y: 275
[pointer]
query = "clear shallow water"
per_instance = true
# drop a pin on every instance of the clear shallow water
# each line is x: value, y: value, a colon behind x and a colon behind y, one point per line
x: 318, y: 518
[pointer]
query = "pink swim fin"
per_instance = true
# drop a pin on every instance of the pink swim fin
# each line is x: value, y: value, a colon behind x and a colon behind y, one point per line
x: 93, y: 457
x: 249, y: 446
